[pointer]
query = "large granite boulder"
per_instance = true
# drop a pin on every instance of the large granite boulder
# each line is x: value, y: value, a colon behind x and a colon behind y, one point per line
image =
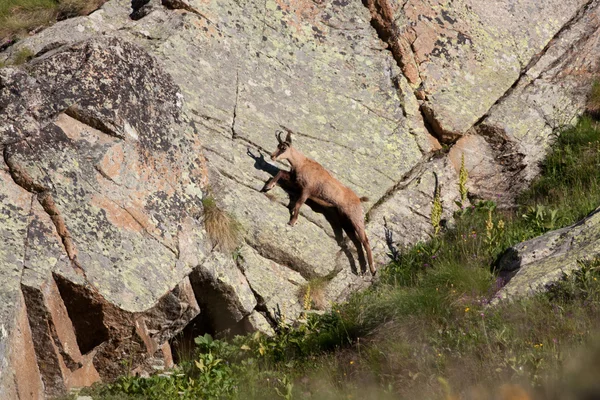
x: 532, y: 265
x: 100, y: 217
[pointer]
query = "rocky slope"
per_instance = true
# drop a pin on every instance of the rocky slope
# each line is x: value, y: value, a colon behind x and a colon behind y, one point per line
x: 127, y: 118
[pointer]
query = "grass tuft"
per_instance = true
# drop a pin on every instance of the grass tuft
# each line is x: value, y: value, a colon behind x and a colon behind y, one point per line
x: 223, y: 230
x: 593, y: 103
x: 20, y: 17
x: 22, y: 56
x: 312, y: 294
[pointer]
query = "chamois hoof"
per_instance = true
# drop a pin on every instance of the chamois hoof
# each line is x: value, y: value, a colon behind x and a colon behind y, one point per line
x: 292, y: 223
x: 266, y: 188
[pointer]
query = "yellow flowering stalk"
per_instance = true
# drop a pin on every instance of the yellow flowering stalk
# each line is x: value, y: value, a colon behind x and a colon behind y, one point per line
x: 436, y: 211
x: 307, y: 299
x: 463, y: 176
x: 489, y: 227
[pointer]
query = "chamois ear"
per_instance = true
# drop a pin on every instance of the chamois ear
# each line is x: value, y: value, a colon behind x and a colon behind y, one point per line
x: 288, y: 138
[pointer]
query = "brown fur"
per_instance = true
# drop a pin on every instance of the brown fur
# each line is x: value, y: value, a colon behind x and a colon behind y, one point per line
x: 317, y: 184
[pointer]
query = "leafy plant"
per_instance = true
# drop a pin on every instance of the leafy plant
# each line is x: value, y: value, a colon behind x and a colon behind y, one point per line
x: 541, y: 218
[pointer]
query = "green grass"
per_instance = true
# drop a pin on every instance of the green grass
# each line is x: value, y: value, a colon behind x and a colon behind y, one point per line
x: 19, y: 17
x: 593, y: 103
x: 425, y: 330
x: 22, y: 56
x: 570, y: 180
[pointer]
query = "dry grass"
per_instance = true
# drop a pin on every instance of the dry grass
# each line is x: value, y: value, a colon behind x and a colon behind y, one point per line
x: 74, y: 8
x: 593, y: 104
x: 223, y: 230
x: 312, y: 294
x: 20, y: 17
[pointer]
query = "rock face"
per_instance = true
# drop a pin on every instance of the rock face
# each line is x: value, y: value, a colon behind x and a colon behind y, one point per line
x: 98, y: 200
x: 127, y: 119
x: 509, y: 73
x: 533, y: 264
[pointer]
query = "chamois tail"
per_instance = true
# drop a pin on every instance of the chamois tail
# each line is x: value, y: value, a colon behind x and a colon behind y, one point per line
x: 364, y: 198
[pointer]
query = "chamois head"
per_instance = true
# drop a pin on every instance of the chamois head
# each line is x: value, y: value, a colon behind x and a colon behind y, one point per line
x: 282, y: 151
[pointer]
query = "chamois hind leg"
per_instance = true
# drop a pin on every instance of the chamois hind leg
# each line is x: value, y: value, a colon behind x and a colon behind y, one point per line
x: 359, y: 229
x: 296, y: 210
x: 365, y: 242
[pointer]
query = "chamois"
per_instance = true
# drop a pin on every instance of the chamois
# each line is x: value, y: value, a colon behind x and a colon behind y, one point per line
x: 316, y: 183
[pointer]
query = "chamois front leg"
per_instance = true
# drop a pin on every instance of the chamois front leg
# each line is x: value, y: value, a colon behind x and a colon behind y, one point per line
x: 285, y: 175
x: 299, y: 202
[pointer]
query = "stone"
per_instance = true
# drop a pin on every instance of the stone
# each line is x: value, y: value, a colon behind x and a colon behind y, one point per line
x: 277, y: 286
x: 493, y: 164
x: 223, y: 291
x: 88, y: 208
x: 549, y: 96
x: 532, y: 265
x: 406, y: 212
x: 497, y: 72
x: 257, y: 322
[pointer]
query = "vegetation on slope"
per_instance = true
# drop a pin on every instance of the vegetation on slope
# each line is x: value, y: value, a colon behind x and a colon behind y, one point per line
x: 222, y: 229
x: 19, y: 17
x: 425, y: 330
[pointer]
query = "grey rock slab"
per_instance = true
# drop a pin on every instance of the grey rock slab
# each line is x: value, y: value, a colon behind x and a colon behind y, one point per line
x: 277, y: 286
x: 407, y: 208
x: 316, y: 69
x: 550, y: 95
x: 533, y: 264
x: 470, y: 53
